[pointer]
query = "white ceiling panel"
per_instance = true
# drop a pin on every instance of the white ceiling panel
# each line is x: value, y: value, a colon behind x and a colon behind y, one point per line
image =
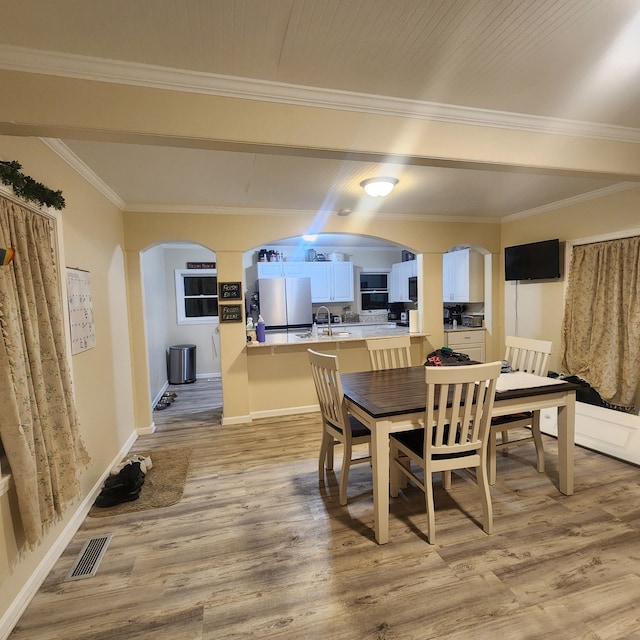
x: 571, y: 59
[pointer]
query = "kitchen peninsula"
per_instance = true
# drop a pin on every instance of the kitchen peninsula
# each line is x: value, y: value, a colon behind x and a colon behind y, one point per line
x: 279, y: 374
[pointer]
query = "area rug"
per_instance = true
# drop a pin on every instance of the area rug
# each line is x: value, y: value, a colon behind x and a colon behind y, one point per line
x: 163, y: 483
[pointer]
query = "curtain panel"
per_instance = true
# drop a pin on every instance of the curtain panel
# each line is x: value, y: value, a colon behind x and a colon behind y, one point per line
x: 601, y: 326
x: 39, y: 423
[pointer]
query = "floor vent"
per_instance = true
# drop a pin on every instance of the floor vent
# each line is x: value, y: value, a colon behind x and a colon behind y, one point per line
x: 88, y: 561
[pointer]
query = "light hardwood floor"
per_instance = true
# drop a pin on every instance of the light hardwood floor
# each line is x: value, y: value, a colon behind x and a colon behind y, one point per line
x: 256, y: 549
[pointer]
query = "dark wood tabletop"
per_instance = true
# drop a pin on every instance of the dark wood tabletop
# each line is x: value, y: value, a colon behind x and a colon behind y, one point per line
x: 394, y: 392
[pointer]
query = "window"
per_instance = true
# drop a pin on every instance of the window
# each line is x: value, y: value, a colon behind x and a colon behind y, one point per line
x: 197, y: 296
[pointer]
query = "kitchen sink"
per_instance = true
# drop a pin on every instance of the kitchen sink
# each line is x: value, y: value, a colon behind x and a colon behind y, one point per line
x: 324, y: 336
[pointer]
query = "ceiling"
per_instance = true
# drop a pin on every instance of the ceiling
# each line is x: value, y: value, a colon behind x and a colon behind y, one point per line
x: 568, y: 60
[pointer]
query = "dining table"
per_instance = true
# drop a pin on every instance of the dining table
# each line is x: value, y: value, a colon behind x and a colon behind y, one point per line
x: 393, y: 400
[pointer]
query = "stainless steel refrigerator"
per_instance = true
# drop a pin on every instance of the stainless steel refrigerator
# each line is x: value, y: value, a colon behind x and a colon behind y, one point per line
x: 285, y: 303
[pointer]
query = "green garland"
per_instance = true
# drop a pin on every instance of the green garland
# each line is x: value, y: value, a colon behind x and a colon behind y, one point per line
x: 27, y: 188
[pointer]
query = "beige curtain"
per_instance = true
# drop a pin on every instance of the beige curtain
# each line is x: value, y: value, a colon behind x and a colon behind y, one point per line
x: 38, y: 423
x: 601, y: 328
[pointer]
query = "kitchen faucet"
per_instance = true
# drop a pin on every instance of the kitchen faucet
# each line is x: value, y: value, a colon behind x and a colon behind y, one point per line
x: 329, y: 333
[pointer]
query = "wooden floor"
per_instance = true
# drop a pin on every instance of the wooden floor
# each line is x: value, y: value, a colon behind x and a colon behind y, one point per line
x: 256, y: 549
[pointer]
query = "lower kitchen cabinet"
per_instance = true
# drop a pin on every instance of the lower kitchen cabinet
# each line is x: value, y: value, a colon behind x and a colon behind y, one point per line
x: 470, y: 342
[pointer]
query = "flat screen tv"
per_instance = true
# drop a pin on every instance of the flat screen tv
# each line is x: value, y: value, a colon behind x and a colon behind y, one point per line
x: 534, y: 261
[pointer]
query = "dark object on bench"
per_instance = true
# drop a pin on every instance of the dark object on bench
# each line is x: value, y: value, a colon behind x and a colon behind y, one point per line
x: 586, y: 393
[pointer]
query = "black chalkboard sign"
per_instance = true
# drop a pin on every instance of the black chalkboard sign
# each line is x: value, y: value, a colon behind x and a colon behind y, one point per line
x: 229, y: 291
x: 230, y: 312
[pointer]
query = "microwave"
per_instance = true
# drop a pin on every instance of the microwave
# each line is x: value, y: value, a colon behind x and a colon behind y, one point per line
x: 474, y: 320
x: 374, y: 282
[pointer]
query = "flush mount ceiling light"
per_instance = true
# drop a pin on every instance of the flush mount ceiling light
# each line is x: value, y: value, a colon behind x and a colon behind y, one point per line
x: 379, y: 187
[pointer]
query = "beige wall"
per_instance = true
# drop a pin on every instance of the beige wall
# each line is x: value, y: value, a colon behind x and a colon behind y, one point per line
x: 93, y: 240
x: 540, y: 305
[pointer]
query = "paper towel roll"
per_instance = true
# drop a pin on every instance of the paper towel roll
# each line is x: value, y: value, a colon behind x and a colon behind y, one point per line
x: 414, y: 321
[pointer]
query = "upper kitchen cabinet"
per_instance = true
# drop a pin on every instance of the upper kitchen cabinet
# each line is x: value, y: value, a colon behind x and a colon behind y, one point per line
x: 283, y: 270
x: 463, y: 276
x: 331, y: 281
x: 269, y: 269
x: 399, y: 285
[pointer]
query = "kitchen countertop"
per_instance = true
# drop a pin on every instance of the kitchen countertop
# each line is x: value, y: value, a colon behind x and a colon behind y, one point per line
x: 341, y: 333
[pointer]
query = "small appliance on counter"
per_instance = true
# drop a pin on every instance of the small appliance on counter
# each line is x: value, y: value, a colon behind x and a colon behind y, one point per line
x: 473, y: 320
x: 455, y: 313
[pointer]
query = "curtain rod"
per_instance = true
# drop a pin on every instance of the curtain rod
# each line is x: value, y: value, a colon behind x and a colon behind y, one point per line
x: 8, y: 194
x: 605, y: 237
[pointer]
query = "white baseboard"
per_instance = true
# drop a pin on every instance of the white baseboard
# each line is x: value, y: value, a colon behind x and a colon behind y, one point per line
x: 21, y: 601
x: 271, y: 413
x: 274, y: 413
x: 165, y: 386
x: 147, y: 431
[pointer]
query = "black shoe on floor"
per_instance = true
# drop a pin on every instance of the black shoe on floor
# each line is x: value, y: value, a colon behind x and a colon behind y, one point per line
x: 110, y: 497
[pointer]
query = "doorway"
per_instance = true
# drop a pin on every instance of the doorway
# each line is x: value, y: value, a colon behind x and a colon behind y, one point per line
x: 165, y: 326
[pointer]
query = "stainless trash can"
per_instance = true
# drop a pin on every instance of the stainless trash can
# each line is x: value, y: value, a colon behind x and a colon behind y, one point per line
x: 182, y: 363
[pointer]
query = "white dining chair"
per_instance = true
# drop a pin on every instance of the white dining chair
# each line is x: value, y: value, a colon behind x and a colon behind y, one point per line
x: 454, y: 436
x: 338, y: 425
x: 530, y: 356
x: 389, y: 353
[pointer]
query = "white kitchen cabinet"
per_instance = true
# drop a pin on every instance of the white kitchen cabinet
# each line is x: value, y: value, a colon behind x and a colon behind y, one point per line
x: 399, y: 284
x: 343, y: 289
x: 270, y: 269
x: 295, y: 269
x: 470, y: 342
x: 331, y: 281
x: 463, y: 276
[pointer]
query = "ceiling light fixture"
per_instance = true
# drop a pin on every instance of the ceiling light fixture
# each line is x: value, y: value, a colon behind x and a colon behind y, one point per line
x: 379, y: 187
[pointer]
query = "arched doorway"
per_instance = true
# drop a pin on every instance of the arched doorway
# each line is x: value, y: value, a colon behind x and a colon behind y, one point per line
x: 164, y: 268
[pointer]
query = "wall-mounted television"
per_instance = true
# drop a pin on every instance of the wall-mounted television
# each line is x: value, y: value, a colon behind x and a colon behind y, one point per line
x: 533, y: 261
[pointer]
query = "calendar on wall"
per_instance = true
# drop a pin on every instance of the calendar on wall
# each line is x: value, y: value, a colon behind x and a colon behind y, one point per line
x: 80, y: 310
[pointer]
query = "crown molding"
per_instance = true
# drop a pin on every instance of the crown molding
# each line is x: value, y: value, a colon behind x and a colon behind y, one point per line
x: 27, y: 60
x: 567, y: 202
x: 298, y: 213
x: 84, y: 170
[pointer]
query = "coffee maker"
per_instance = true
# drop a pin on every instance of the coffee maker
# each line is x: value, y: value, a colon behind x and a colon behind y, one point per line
x: 454, y: 312
x: 398, y: 314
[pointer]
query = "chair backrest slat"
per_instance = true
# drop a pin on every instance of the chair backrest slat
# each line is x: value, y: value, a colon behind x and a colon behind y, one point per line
x: 325, y: 371
x: 389, y: 353
x: 459, y: 404
x: 528, y: 355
